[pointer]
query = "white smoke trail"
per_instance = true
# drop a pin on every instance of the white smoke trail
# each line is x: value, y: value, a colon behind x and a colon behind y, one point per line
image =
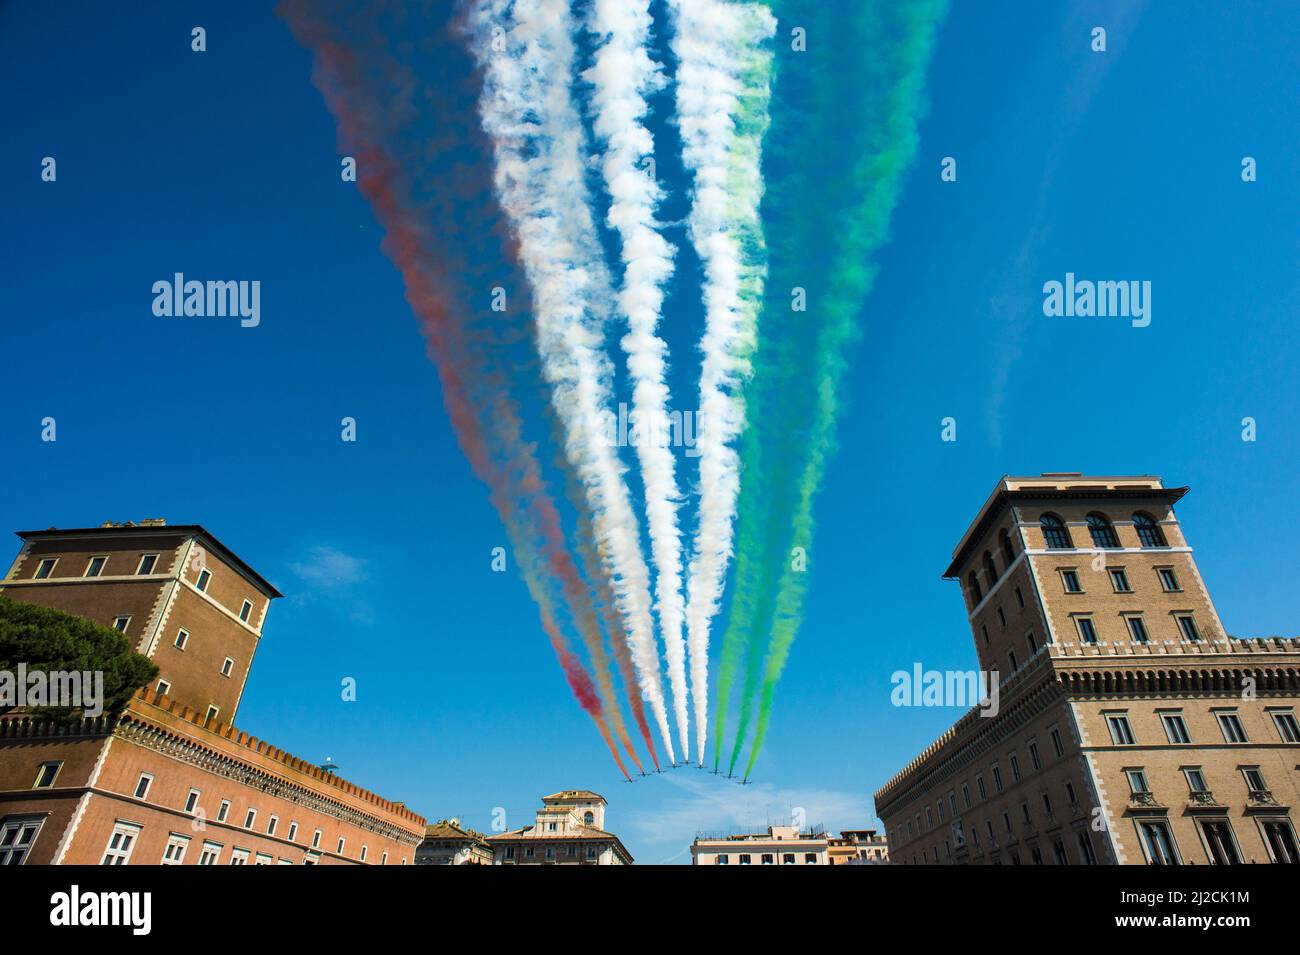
x: 723, y: 90
x: 525, y: 49
x: 621, y: 75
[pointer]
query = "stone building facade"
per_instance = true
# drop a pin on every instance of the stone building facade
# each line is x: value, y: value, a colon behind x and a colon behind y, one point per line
x: 1129, y: 727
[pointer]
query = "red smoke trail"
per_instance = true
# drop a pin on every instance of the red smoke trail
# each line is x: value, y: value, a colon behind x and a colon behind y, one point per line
x: 408, y: 245
x: 561, y: 564
x: 614, y: 627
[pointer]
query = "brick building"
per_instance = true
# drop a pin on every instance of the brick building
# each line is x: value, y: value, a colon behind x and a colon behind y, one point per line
x: 1130, y: 727
x: 170, y: 779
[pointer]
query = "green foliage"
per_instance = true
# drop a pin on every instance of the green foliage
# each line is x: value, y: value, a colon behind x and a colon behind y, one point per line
x: 51, y: 640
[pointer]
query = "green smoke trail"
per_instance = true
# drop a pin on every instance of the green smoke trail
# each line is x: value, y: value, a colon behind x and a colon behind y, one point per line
x: 853, y: 111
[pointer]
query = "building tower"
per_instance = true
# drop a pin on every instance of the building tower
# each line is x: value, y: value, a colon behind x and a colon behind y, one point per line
x: 1130, y: 727
x: 184, y: 600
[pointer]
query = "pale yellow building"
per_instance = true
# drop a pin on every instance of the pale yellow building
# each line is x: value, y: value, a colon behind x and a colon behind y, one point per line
x: 780, y: 845
x: 1129, y: 727
x: 858, y: 847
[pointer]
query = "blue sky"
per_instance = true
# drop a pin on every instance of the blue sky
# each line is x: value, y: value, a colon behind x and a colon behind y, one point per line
x: 223, y: 165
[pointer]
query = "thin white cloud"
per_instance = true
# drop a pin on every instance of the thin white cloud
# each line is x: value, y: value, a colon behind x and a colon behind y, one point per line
x: 329, y: 568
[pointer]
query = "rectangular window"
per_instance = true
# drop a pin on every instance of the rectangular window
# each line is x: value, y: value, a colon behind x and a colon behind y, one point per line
x: 1002, y: 618
x: 997, y: 778
x: 1137, y: 781
x: 17, y: 835
x: 293, y: 832
x: 1057, y: 746
x: 1033, y: 755
x: 182, y: 638
x: 46, y: 567
x: 342, y: 843
x: 1085, y: 847
x: 211, y: 854
x: 142, y: 785
x: 205, y: 576
x: 965, y: 795
x: 121, y: 623
x: 96, y: 566
x: 1286, y: 724
x: 1031, y: 643
x: 192, y: 800
x: 1014, y: 760
x: 271, y: 824
x: 985, y: 631
x: 979, y: 786
x: 1254, y: 779
x: 1121, y: 733
x: 315, y: 839
x: 213, y: 713
x: 245, y: 610
x: 120, y: 844
x: 1070, y: 795
x: 1119, y: 580
x: 1020, y: 599
x: 174, y: 852
x: 239, y: 857
x: 227, y: 666
x: 1220, y: 843
x: 263, y: 858
x: 164, y: 687
x: 810, y: 858
x: 46, y: 773
x: 147, y: 563
x: 1168, y: 580
x: 1011, y: 658
x: 1175, y: 727
x: 1087, y: 632
x: 1187, y: 627
x: 1070, y: 579
x: 1230, y: 724
x: 364, y: 850
x: 1195, y: 779
x: 250, y: 819
x: 1137, y: 629
x: 223, y: 810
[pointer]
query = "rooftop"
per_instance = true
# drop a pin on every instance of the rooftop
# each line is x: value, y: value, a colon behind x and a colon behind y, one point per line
x: 1056, y: 485
x: 152, y: 527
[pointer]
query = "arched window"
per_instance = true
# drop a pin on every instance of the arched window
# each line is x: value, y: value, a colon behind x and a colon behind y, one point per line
x: 990, y: 570
x: 1008, y: 554
x: 1149, y: 532
x: 1055, y: 533
x: 976, y: 595
x: 589, y: 818
x: 1103, y: 534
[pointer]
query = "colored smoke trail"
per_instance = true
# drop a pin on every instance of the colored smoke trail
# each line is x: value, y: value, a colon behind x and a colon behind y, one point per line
x: 482, y: 415
x: 614, y: 628
x: 525, y: 49
x: 621, y: 75
x: 723, y: 90
x: 829, y: 221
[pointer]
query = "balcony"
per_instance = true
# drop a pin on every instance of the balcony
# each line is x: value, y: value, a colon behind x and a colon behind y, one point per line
x: 1261, y: 799
x: 1203, y: 800
x: 1145, y: 803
